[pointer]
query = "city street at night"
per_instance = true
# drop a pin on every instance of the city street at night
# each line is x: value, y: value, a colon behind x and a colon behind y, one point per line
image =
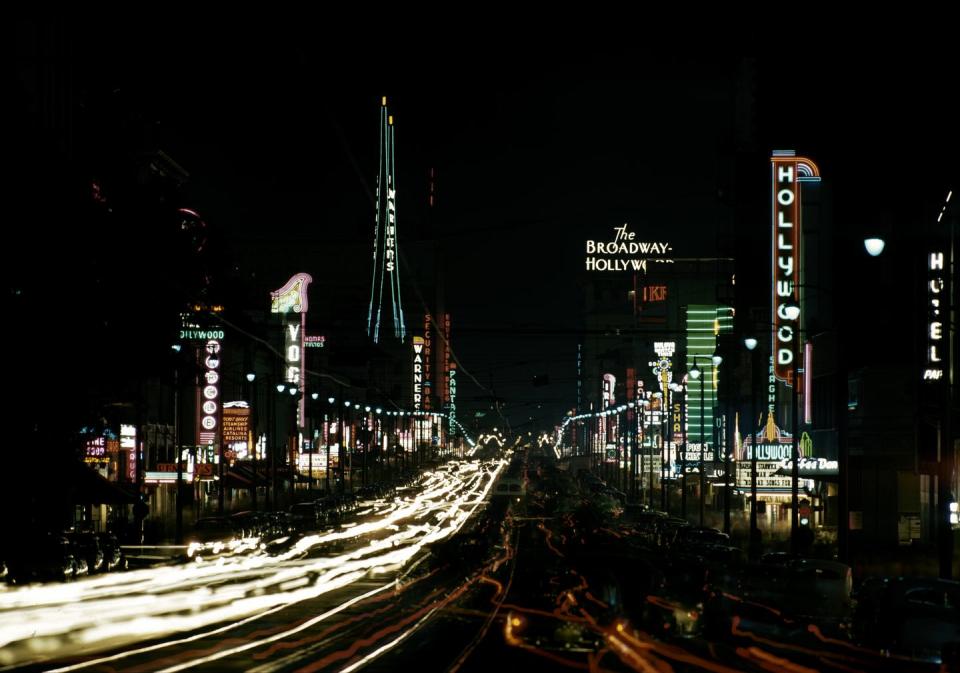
x: 346, y: 348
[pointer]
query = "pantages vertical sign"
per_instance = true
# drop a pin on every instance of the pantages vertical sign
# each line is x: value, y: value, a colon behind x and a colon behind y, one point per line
x: 788, y: 171
x: 625, y: 252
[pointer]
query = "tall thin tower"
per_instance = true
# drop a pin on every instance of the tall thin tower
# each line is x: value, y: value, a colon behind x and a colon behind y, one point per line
x: 386, y: 262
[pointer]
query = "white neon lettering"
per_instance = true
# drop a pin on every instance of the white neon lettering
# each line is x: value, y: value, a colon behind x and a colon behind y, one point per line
x: 782, y: 312
x: 294, y: 330
x: 936, y: 332
x: 784, y: 356
x: 785, y: 197
x: 934, y: 357
x: 782, y: 223
x: 784, y: 173
x: 935, y: 285
x: 293, y: 353
x: 785, y: 334
x: 786, y: 264
x: 782, y: 244
x: 784, y: 288
x: 936, y: 261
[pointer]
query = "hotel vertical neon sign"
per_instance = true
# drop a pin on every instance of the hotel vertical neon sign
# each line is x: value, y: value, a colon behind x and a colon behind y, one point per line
x: 937, y: 306
x: 787, y: 171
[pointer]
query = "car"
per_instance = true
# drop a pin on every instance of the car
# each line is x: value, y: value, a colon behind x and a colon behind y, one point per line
x: 113, y: 556
x: 43, y: 557
x: 249, y: 524
x: 914, y: 617
x: 87, y: 547
x: 305, y: 517
x: 212, y: 529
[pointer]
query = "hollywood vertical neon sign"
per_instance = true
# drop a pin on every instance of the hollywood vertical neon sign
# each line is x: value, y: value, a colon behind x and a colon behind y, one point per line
x: 788, y: 171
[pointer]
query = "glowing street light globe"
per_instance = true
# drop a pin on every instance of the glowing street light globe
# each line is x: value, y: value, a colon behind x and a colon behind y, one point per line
x: 874, y: 246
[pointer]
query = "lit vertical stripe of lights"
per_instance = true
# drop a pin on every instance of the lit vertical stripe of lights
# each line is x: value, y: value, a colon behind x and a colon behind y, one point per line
x: 385, y: 256
x: 704, y: 323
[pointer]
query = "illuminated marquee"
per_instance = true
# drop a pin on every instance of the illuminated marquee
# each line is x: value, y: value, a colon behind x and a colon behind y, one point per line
x: 937, y: 303
x: 788, y: 171
x: 625, y: 253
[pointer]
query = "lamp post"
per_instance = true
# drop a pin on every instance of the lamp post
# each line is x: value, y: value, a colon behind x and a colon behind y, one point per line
x: 751, y: 345
x: 326, y: 431
x: 252, y: 433
x: 695, y: 374
x: 717, y: 443
x: 313, y: 439
x: 178, y: 452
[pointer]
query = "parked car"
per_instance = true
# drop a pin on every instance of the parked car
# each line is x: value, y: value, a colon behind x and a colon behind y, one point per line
x: 87, y: 547
x: 305, y: 517
x: 42, y: 558
x: 212, y: 529
x: 915, y: 617
x: 250, y: 524
x: 113, y: 556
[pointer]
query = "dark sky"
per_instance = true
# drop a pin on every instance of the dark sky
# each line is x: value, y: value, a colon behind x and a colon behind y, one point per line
x: 539, y: 145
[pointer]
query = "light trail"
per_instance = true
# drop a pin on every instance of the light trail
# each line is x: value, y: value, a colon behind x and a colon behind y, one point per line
x: 43, y: 621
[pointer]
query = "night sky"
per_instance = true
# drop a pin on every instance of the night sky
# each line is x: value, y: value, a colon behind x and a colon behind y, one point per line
x: 538, y: 146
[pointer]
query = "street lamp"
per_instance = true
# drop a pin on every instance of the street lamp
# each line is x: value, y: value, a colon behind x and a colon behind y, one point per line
x: 751, y: 345
x: 252, y: 433
x: 874, y: 246
x: 695, y: 374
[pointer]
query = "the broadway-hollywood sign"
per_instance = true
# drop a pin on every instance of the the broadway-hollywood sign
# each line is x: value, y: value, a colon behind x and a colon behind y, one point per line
x: 625, y: 252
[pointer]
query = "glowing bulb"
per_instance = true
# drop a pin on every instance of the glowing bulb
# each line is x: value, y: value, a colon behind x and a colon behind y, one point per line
x: 874, y: 246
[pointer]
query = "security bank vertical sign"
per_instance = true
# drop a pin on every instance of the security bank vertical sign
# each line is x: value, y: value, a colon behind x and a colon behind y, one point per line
x: 788, y: 171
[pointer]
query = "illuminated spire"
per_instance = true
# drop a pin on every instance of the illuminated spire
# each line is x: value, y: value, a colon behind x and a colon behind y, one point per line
x: 386, y: 262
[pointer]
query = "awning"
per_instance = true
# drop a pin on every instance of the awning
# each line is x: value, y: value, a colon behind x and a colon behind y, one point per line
x: 85, y: 486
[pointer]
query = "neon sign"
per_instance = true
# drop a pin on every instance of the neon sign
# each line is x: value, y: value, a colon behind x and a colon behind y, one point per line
x: 418, y: 354
x: 625, y: 253
x: 936, y: 303
x: 427, y: 362
x: 128, y: 442
x: 385, y: 236
x: 453, y: 398
x: 788, y: 171
x: 292, y: 298
x: 210, y: 394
